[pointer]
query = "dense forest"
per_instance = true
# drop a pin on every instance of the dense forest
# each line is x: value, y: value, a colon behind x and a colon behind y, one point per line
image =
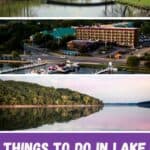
x: 35, y: 117
x: 22, y: 93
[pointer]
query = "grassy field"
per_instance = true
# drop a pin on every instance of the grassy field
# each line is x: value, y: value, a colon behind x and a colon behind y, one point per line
x: 138, y: 3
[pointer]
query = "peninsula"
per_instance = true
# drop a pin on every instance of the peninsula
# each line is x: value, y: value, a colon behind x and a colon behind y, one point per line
x: 23, y: 94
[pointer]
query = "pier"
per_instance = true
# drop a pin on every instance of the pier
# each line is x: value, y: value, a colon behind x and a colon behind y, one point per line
x: 22, y: 67
x: 104, y: 71
x: 14, y: 61
x: 109, y: 2
x: 109, y: 69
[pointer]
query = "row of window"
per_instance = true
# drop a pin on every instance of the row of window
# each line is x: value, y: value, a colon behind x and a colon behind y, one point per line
x: 105, y: 31
x: 106, y: 37
x: 112, y: 34
x: 95, y: 35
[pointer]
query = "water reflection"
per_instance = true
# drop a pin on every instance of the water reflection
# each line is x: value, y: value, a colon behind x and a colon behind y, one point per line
x: 113, y: 118
x: 26, y: 118
x: 40, y: 8
x: 76, y: 119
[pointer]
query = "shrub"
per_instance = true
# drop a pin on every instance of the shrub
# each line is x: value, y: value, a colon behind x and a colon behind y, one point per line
x: 133, y: 61
x: 147, y: 64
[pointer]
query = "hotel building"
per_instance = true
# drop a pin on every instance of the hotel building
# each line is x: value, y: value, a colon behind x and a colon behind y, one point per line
x: 123, y: 36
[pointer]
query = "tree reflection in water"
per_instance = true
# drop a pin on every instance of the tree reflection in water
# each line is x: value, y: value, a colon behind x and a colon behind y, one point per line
x: 125, y: 11
x: 26, y: 118
x: 39, y: 8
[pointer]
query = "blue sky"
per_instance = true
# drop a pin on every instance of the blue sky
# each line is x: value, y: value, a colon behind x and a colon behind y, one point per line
x: 109, y: 88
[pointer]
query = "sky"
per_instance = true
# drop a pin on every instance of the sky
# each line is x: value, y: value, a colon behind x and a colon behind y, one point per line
x: 108, y: 88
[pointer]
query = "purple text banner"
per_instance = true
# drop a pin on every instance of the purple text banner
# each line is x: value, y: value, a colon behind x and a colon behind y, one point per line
x: 74, y: 141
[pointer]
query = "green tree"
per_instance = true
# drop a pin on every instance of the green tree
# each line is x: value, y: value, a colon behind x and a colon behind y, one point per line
x: 38, y: 38
x: 133, y: 61
x: 15, y: 55
x: 145, y: 28
x: 52, y: 45
x: 64, y: 40
x: 147, y: 64
x: 21, y: 93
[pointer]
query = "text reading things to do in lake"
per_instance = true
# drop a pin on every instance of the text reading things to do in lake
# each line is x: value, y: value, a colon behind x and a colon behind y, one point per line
x: 75, y: 146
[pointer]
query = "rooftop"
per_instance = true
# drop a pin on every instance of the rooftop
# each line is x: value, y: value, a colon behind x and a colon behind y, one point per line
x: 62, y: 32
x: 121, y: 25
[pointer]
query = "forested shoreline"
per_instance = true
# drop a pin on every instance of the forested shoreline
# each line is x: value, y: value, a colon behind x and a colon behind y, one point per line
x: 23, y: 93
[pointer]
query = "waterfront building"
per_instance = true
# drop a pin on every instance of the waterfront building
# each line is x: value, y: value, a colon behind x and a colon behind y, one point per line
x: 76, y: 44
x: 123, y: 36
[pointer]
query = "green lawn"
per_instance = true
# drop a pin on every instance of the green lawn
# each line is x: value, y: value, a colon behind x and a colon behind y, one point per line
x: 139, y: 3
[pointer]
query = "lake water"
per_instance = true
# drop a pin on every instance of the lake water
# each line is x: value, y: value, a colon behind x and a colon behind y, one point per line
x: 82, y: 70
x: 45, y: 67
x: 40, y: 8
x: 76, y: 119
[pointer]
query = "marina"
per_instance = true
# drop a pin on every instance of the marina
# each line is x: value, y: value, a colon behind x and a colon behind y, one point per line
x: 62, y: 68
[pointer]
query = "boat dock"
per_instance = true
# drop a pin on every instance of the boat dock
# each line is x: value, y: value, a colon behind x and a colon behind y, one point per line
x: 109, y: 69
x: 22, y: 67
x: 14, y: 61
x: 103, y: 71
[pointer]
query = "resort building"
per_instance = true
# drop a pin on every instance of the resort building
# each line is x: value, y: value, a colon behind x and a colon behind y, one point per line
x: 123, y: 36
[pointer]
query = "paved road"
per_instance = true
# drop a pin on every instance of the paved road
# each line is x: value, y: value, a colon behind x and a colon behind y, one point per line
x: 142, y: 51
x: 54, y: 59
x: 57, y: 58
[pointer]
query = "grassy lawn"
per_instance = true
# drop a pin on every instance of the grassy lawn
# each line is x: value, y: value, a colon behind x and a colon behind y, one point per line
x: 139, y: 3
x: 134, y: 69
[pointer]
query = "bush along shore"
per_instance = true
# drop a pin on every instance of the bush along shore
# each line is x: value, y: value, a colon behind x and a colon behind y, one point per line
x: 19, y: 94
x: 144, y: 4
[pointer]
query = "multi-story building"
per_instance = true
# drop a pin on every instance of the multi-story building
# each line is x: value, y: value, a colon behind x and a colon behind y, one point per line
x: 123, y: 36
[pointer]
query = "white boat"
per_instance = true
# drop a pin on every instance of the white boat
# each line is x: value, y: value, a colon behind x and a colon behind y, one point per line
x: 40, y: 71
x: 63, y: 68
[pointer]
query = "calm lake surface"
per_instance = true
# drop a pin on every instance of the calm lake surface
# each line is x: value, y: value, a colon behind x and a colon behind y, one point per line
x: 40, y: 8
x: 76, y: 119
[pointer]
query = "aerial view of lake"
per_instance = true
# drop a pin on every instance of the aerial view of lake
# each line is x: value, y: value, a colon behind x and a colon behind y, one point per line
x: 40, y: 8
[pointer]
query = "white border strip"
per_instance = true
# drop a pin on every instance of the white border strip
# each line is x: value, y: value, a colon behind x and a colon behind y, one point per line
x: 75, y: 18
x: 96, y: 132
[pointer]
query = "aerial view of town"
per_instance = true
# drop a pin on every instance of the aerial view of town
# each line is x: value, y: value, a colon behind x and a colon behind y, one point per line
x: 74, y: 8
x: 74, y: 47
